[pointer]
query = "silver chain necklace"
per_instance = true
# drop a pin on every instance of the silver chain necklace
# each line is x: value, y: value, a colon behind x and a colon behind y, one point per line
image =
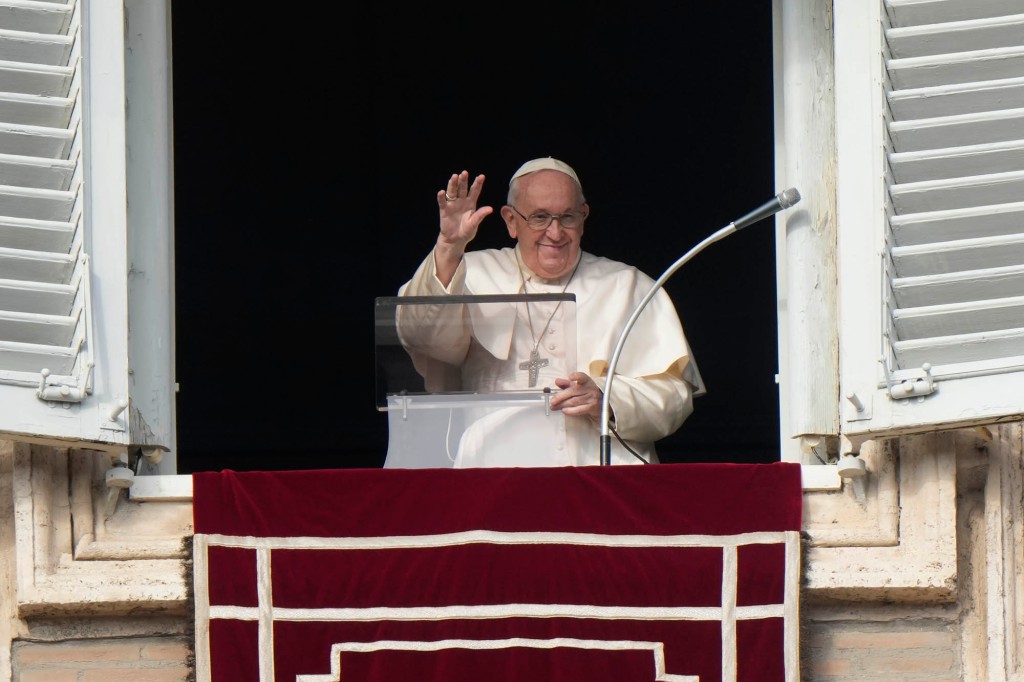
x: 533, y: 365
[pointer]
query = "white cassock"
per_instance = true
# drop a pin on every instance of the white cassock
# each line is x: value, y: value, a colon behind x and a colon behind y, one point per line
x: 655, y: 379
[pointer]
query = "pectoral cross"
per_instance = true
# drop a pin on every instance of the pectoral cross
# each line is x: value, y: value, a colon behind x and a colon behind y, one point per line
x: 533, y: 366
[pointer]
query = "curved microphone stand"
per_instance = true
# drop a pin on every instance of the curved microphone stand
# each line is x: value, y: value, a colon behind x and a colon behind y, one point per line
x: 782, y: 200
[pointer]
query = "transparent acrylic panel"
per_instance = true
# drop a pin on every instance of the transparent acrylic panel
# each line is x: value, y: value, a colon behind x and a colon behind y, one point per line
x: 462, y: 377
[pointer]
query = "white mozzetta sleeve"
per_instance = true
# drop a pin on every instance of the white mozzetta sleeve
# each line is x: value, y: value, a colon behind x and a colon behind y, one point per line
x: 647, y: 409
x: 432, y: 333
x: 424, y: 281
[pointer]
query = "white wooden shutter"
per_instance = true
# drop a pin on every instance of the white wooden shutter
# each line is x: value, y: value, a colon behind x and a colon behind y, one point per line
x: 930, y: 141
x: 43, y: 287
x: 77, y: 258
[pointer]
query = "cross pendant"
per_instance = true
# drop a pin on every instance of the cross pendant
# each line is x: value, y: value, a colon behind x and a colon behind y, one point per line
x: 533, y: 365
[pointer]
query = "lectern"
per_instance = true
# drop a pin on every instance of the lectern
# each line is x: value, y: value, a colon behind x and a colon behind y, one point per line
x: 467, y: 380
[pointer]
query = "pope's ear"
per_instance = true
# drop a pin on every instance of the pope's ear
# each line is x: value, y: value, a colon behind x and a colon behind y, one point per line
x: 510, y: 221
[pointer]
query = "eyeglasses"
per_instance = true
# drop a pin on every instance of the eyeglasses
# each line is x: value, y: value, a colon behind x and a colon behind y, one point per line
x: 541, y: 221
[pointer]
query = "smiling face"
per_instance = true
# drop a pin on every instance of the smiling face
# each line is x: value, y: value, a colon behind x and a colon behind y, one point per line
x: 550, y: 252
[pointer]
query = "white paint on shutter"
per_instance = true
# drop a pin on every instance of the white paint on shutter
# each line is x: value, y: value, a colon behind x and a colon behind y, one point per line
x: 86, y: 219
x: 808, y: 376
x: 957, y: 178
x: 930, y: 153
x: 42, y: 264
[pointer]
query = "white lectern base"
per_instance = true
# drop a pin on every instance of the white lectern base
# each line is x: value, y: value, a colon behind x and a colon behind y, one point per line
x: 514, y: 429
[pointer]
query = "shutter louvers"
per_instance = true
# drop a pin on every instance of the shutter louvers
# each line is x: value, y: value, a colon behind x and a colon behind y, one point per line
x: 86, y: 199
x: 955, y: 94
x: 43, y: 271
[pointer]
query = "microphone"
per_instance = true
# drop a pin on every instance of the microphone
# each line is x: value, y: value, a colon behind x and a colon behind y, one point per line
x: 783, y: 200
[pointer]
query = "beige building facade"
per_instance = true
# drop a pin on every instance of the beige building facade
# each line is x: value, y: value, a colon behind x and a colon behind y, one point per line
x: 911, y: 572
